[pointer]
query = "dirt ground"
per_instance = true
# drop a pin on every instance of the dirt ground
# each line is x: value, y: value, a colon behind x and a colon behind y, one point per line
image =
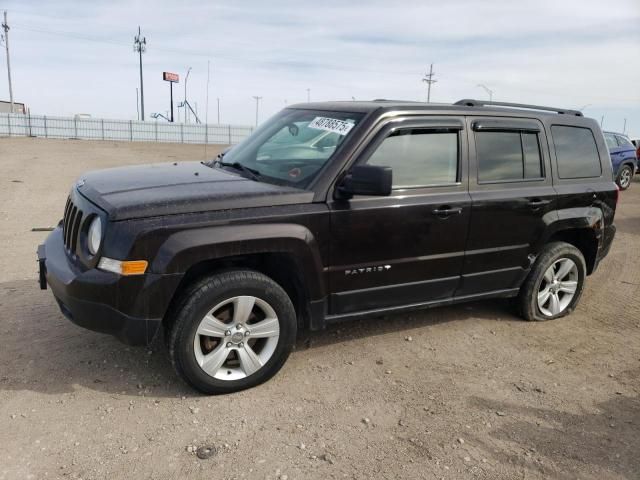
x: 460, y: 392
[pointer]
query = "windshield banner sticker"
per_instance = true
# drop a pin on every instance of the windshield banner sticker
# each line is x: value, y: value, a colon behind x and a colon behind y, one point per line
x: 331, y: 125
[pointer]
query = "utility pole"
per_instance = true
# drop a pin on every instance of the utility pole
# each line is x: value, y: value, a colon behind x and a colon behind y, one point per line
x: 218, y: 101
x: 206, y: 113
x: 308, y: 95
x: 171, y: 99
x: 140, y: 46
x: 428, y: 78
x: 257, y: 103
x: 488, y: 90
x: 185, y: 94
x: 5, y: 27
x: 624, y: 128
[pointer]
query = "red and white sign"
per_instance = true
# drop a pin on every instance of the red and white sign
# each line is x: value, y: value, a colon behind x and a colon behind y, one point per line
x: 170, y: 77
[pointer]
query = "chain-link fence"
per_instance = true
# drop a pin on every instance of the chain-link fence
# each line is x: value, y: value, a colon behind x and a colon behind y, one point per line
x: 17, y: 125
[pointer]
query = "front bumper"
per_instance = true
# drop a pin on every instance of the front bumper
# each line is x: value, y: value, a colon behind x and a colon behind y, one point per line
x: 130, y: 308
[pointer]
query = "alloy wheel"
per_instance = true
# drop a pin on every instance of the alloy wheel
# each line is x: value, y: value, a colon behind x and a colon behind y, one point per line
x: 625, y: 177
x: 558, y: 287
x: 236, y: 338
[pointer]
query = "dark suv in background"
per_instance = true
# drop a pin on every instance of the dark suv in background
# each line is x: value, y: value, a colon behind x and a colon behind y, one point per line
x: 330, y: 212
x: 624, y: 158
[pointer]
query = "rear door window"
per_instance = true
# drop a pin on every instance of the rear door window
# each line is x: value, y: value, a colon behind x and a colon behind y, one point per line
x: 576, y: 152
x: 611, y: 141
x: 508, y: 156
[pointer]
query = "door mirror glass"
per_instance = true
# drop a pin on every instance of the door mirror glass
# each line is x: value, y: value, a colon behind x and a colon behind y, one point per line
x: 367, y: 180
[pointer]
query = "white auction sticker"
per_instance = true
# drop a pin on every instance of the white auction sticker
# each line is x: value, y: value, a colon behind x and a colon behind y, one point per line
x: 331, y: 125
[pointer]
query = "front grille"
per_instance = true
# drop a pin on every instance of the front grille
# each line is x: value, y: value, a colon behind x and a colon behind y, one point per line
x: 71, y: 226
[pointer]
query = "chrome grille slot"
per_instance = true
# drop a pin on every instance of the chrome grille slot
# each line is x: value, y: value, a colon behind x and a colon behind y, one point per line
x: 65, y: 217
x: 72, y: 216
x: 76, y: 230
x: 71, y: 226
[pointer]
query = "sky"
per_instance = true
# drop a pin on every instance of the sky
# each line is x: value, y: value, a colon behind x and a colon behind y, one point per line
x: 70, y: 57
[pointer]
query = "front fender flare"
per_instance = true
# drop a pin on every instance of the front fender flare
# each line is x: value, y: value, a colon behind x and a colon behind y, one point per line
x: 185, y: 248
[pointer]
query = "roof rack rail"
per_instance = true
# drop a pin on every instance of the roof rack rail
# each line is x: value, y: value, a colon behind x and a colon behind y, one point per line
x: 481, y: 103
x: 392, y: 100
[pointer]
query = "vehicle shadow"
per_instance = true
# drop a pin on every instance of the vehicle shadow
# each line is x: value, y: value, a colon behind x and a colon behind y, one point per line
x: 44, y: 352
x: 549, y: 441
x: 496, y: 309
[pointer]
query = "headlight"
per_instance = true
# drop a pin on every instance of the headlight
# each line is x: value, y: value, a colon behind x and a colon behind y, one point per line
x: 94, y: 236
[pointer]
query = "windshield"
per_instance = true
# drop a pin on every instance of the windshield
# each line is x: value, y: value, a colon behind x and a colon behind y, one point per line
x: 292, y: 147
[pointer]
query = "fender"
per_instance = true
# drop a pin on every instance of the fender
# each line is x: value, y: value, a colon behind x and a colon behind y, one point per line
x: 183, y: 249
x: 627, y: 161
x: 591, y: 218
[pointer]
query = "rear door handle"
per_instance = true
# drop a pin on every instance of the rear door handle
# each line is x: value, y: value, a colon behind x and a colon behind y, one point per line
x: 537, y: 202
x: 446, y: 211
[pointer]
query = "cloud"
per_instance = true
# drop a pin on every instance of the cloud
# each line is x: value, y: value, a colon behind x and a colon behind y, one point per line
x: 76, y: 56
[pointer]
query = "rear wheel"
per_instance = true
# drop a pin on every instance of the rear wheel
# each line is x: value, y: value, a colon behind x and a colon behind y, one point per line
x: 624, y: 177
x: 232, y: 331
x: 555, y: 283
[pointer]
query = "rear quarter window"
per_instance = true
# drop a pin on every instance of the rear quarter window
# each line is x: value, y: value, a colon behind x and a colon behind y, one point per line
x: 576, y: 152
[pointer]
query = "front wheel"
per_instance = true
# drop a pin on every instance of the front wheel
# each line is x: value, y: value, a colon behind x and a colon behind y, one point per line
x: 624, y: 177
x: 555, y: 283
x: 232, y: 331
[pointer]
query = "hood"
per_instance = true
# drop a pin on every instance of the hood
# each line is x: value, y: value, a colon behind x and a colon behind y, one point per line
x: 172, y: 188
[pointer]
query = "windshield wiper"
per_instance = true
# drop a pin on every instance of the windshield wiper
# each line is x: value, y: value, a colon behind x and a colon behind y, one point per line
x: 250, y: 172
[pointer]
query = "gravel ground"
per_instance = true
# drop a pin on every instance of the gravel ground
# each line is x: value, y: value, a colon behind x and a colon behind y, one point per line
x: 458, y: 392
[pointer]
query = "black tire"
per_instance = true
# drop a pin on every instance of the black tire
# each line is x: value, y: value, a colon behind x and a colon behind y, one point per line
x: 625, y: 177
x: 204, y: 295
x: 527, y: 299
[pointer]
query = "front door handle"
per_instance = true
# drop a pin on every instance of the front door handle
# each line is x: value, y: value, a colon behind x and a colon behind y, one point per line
x: 446, y: 211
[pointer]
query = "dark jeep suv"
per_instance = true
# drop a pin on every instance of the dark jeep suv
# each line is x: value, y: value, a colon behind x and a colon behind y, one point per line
x: 335, y: 211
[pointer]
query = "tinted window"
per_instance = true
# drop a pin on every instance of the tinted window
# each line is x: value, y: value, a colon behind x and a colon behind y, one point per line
x: 508, y: 156
x: 611, y: 141
x: 623, y: 141
x: 531, y: 151
x: 419, y: 157
x: 576, y: 152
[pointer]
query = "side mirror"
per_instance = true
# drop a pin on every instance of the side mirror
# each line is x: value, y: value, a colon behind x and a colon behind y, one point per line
x: 366, y: 180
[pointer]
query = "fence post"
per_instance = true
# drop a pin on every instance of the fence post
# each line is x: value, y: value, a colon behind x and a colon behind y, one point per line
x: 9, y: 123
x: 131, y: 130
x: 45, y: 127
x: 229, y: 134
x: 182, y: 133
x: 75, y: 127
x: 29, y: 123
x: 102, y: 127
x: 155, y: 127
